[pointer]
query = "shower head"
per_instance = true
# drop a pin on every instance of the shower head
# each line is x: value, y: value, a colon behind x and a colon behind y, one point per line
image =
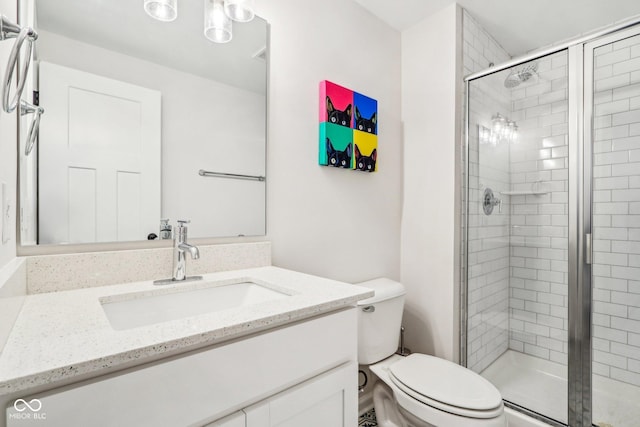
x: 521, y: 74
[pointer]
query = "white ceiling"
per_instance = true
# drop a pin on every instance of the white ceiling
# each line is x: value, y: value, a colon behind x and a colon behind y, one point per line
x: 518, y: 25
x: 123, y: 26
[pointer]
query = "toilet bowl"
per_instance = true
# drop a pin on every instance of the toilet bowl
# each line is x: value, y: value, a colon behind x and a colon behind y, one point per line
x: 418, y: 390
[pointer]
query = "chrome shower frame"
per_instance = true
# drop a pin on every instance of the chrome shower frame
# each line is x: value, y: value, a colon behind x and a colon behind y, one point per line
x: 580, y: 75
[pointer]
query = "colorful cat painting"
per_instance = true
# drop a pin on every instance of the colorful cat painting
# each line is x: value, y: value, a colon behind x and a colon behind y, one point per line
x: 342, y: 118
x: 365, y: 125
x: 366, y: 163
x: 348, y: 129
x: 339, y: 159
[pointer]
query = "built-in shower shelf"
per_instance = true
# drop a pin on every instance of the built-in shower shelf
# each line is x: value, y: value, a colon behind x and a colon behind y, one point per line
x: 524, y: 193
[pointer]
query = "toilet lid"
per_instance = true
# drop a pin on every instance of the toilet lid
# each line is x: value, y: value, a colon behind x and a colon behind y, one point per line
x: 445, y: 382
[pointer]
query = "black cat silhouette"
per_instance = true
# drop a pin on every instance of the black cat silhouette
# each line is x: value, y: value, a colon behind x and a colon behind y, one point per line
x: 365, y: 125
x: 342, y: 118
x: 366, y: 163
x: 339, y: 159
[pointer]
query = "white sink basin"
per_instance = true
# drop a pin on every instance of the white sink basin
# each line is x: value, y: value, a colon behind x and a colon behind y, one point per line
x: 134, y: 310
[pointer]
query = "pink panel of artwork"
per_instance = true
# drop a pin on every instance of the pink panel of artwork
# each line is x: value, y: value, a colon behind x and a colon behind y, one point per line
x: 336, y: 104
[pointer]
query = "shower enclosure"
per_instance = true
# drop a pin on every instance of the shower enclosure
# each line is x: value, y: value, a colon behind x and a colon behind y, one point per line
x: 551, y: 283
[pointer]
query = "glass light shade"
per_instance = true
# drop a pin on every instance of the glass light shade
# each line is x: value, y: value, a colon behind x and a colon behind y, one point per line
x: 510, y: 130
x: 162, y: 10
x: 514, y: 133
x: 239, y: 10
x: 498, y: 123
x: 484, y: 134
x: 217, y: 25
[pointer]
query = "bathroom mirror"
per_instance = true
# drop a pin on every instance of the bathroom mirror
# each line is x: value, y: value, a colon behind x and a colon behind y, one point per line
x: 134, y: 110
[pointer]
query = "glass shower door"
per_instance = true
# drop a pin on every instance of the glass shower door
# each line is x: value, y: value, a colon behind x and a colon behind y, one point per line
x: 518, y: 128
x: 553, y: 232
x: 612, y: 78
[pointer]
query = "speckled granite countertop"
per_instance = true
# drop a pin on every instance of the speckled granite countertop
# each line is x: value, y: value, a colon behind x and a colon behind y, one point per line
x: 62, y: 335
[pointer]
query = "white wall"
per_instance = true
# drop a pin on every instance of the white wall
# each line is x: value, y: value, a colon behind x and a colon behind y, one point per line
x: 431, y: 76
x: 205, y: 125
x: 8, y: 131
x: 336, y: 223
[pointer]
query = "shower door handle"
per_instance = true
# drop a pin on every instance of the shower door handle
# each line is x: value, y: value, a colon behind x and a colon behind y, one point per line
x: 588, y: 249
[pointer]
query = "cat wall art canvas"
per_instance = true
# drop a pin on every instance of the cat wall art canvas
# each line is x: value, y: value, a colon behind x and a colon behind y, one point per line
x: 348, y: 129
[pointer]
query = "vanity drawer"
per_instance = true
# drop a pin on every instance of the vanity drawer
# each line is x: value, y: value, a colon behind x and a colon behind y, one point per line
x: 204, y: 385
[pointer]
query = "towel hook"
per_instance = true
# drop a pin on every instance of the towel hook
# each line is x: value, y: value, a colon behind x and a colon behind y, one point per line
x: 27, y: 108
x: 21, y: 34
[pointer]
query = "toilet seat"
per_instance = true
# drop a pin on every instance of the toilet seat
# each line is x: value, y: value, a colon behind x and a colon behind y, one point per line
x: 446, y: 386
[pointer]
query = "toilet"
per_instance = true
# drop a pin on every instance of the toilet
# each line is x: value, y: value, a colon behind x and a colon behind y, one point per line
x: 418, y: 390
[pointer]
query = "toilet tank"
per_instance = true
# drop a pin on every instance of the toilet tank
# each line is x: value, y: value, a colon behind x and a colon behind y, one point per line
x: 379, y: 320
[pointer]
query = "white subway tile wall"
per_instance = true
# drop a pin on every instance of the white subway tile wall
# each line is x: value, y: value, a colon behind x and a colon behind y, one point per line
x: 539, y: 222
x: 616, y: 211
x: 488, y: 244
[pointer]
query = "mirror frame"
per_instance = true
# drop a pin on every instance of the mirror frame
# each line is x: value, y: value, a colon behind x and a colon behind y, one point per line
x: 56, y: 249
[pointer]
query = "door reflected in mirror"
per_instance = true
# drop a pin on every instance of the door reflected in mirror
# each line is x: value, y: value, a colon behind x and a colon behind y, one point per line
x: 134, y: 108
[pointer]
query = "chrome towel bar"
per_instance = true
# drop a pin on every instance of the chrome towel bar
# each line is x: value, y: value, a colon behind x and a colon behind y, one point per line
x: 205, y: 173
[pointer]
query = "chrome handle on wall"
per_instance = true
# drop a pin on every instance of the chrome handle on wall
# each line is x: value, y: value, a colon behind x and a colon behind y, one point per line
x: 489, y: 201
x: 32, y: 135
x: 10, y: 30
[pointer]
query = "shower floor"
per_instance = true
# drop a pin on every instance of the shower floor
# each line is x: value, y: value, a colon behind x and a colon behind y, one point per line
x: 541, y: 386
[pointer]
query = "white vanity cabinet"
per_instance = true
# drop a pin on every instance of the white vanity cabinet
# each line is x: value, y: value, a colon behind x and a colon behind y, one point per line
x: 300, y: 374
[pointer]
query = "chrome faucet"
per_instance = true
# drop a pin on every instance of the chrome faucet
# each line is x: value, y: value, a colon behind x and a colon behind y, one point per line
x: 180, y: 247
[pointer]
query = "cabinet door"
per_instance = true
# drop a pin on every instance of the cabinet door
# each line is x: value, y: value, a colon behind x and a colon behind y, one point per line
x: 329, y: 399
x: 234, y: 420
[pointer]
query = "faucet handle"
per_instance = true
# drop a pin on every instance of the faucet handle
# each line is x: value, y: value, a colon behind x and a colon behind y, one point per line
x: 181, y: 230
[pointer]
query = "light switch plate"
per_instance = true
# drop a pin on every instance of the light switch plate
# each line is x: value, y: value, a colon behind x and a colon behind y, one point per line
x: 6, y: 209
x: 2, y: 190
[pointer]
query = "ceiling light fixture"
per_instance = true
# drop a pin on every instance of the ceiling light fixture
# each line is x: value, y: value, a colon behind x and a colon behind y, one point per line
x: 218, y: 15
x: 162, y: 10
x: 217, y: 25
x: 502, y: 130
x: 239, y: 10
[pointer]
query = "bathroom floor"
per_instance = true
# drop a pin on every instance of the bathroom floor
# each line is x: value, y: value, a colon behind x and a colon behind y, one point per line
x: 368, y: 419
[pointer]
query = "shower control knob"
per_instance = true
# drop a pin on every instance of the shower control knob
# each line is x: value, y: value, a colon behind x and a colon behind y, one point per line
x: 489, y: 201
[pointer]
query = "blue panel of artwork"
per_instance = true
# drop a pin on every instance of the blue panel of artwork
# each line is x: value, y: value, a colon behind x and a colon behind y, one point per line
x: 366, y: 113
